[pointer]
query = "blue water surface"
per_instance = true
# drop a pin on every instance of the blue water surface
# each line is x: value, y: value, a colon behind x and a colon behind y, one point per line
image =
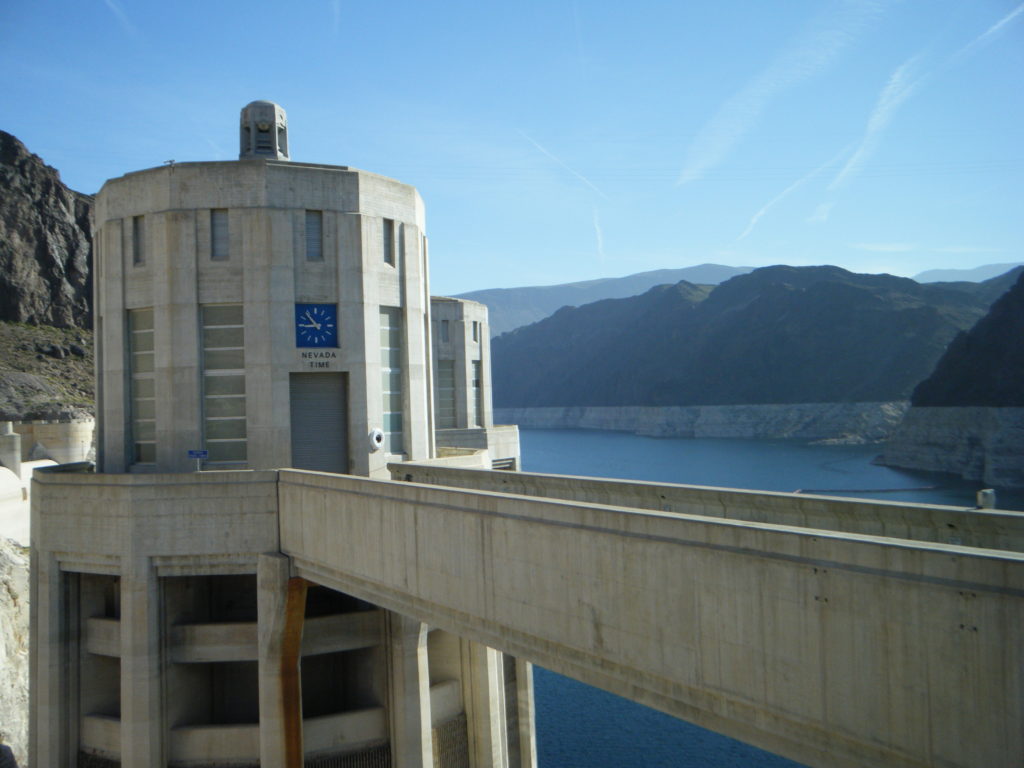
x: 579, y: 726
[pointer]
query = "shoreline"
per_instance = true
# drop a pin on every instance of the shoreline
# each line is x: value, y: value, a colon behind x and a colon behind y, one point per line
x: 850, y: 423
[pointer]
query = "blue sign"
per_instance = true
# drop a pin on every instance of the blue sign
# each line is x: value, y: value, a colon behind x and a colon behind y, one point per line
x: 199, y: 454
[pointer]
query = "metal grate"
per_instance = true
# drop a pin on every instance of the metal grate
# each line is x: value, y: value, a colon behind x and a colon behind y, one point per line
x: 451, y: 744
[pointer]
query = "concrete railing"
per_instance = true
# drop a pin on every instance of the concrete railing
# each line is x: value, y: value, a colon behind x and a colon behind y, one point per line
x: 835, y: 649
x: 985, y: 528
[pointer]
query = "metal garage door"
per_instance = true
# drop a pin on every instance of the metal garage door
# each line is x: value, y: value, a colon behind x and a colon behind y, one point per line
x: 319, y: 410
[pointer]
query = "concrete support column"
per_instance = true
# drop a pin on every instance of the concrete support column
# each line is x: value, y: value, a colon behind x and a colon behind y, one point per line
x: 49, y: 695
x: 412, y: 744
x: 10, y: 448
x: 484, y: 686
x: 143, y: 730
x: 281, y: 608
x: 524, y: 699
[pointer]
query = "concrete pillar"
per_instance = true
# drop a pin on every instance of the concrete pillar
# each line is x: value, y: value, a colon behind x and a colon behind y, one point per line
x: 279, y: 708
x: 49, y: 694
x: 524, y: 699
x: 10, y: 448
x: 484, y: 689
x: 412, y: 743
x: 142, y: 719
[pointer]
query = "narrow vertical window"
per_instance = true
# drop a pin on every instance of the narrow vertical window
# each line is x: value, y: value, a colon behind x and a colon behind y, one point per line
x: 445, y: 332
x: 143, y: 394
x: 389, y: 241
x: 314, y: 236
x: 224, y: 424
x: 478, y: 402
x: 476, y: 331
x: 445, y: 395
x: 138, y: 240
x: 391, y: 377
x: 219, y: 234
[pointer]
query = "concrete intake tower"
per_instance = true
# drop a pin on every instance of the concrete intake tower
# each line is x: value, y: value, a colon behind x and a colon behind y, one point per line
x: 253, y: 315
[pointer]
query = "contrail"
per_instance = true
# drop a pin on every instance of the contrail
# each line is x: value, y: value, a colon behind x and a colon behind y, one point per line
x: 900, y: 86
x: 806, y: 177
x: 810, y: 56
x: 565, y: 165
x: 336, y: 16
x: 122, y: 19
x: 984, y: 38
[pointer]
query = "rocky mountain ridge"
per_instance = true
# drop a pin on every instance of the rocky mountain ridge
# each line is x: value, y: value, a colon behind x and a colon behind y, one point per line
x: 511, y: 308
x: 46, y: 368
x: 45, y: 243
x: 775, y: 335
x: 967, y: 417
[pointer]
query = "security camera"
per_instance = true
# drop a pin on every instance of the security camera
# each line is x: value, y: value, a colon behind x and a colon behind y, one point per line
x: 376, y: 440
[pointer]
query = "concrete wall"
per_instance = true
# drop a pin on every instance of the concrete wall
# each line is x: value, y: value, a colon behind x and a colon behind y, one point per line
x: 461, y: 335
x: 988, y: 529
x: 158, y: 621
x: 835, y: 649
x: 62, y: 441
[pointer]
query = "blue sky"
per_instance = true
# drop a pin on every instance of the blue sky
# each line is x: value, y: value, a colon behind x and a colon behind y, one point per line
x: 569, y: 140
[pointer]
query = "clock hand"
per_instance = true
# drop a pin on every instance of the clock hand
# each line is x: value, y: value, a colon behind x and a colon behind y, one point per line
x: 314, y: 322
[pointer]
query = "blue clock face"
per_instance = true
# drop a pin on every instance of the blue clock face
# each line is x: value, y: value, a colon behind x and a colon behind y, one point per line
x: 316, y: 325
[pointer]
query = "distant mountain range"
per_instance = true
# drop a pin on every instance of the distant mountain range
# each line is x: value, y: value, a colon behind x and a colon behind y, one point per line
x: 774, y: 335
x: 511, y: 308
x: 975, y: 275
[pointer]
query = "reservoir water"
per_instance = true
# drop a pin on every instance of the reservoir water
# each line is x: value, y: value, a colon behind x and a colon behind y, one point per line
x: 582, y: 727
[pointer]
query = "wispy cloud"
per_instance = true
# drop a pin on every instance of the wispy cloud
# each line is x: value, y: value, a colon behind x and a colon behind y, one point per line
x: 901, y: 84
x: 122, y: 19
x: 599, y: 236
x: 821, y: 213
x: 791, y: 188
x: 809, y: 55
x: 565, y: 165
x: 581, y: 55
x: 885, y: 247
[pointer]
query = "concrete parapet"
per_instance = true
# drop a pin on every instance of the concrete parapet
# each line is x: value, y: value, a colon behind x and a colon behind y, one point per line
x: 500, y: 441
x: 990, y: 529
x: 834, y: 649
x: 64, y: 442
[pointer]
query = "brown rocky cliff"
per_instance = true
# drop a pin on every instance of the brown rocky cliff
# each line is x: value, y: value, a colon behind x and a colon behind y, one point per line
x: 45, y: 243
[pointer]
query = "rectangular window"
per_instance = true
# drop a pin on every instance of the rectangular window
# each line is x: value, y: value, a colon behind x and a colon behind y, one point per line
x: 138, y: 240
x: 446, y: 415
x: 143, y: 389
x: 476, y: 331
x: 477, y: 405
x: 391, y: 377
x: 389, y: 241
x: 445, y: 332
x: 224, y: 423
x: 314, y: 236
x: 219, y: 234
